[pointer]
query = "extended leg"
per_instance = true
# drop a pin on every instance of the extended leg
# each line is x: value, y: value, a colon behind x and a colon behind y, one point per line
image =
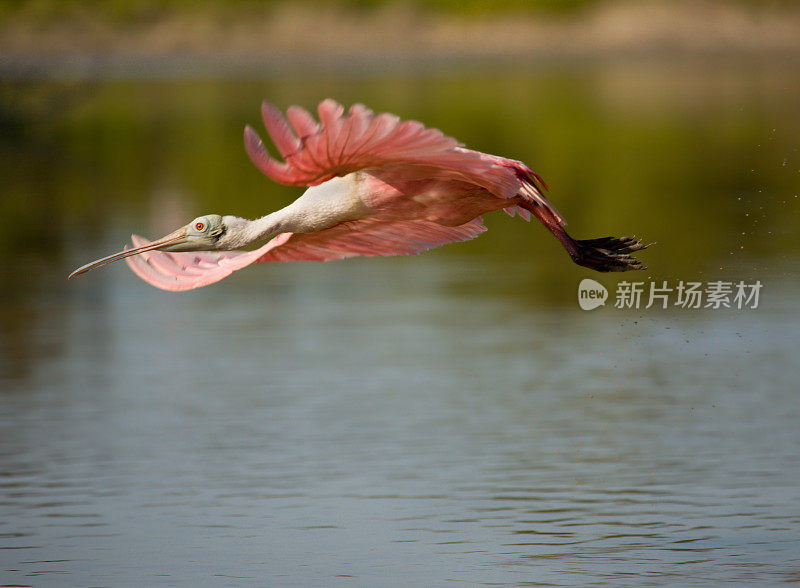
x: 607, y: 254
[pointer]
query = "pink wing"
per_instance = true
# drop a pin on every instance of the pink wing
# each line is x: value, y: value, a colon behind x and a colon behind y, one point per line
x: 367, y: 237
x: 343, y: 143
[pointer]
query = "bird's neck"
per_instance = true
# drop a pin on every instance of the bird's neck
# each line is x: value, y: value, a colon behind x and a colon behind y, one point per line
x: 298, y: 217
x: 246, y: 232
x: 319, y: 208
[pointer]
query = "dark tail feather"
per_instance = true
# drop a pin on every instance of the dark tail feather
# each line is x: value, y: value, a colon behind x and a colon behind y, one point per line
x: 608, y: 254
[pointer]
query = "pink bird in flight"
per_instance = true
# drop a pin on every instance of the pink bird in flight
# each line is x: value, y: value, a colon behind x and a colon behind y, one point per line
x: 377, y: 185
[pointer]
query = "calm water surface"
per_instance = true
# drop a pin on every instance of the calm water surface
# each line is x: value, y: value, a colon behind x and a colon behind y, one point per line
x: 448, y: 418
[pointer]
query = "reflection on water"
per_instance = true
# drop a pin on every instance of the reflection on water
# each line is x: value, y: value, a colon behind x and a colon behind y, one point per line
x: 451, y: 417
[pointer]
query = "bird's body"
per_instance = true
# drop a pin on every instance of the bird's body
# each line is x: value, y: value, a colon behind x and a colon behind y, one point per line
x: 376, y: 186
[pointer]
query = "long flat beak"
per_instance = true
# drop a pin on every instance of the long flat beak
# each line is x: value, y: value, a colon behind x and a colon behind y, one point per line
x: 175, y: 238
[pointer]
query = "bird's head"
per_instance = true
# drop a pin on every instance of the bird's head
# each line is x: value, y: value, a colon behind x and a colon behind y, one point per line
x: 205, y: 233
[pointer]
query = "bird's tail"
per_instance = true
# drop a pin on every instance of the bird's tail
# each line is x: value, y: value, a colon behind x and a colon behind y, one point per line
x: 531, y: 188
x: 532, y: 191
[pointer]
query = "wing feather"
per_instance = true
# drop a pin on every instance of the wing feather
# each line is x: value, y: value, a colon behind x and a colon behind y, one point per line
x: 279, y: 130
x: 343, y: 143
x: 370, y: 237
x: 302, y: 121
x: 367, y: 237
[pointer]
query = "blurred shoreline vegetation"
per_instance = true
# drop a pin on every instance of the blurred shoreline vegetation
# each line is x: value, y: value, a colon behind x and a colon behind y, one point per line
x: 131, y: 11
x: 145, y: 10
x: 47, y: 36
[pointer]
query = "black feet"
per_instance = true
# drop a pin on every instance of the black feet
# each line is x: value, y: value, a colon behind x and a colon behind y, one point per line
x: 608, y: 254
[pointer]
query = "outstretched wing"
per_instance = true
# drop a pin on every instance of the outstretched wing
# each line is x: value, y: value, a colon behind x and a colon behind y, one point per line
x: 340, y: 143
x: 366, y: 237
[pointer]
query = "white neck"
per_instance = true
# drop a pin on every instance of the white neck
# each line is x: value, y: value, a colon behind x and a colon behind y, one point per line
x: 243, y: 232
x: 320, y: 207
x: 267, y: 227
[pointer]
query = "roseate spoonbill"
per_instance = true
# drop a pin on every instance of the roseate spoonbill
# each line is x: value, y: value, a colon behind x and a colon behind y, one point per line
x: 376, y: 186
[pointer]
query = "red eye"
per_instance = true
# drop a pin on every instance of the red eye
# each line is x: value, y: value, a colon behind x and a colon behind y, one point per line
x: 199, y: 226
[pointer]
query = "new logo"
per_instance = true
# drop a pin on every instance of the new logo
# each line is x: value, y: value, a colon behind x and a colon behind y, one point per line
x: 591, y: 294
